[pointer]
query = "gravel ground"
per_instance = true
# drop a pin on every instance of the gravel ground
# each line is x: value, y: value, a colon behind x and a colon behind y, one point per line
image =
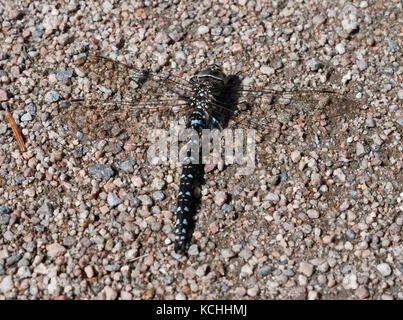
x: 318, y: 219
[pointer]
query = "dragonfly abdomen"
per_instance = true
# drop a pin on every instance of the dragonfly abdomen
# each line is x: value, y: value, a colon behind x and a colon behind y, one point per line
x: 190, y: 171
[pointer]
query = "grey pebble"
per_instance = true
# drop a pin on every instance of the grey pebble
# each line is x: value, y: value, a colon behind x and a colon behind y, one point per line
x: 104, y: 89
x: 227, y: 208
x: 69, y: 241
x: 65, y: 74
x: 313, y: 214
x: 318, y: 19
x: 193, y: 250
x: 13, y: 259
x: 31, y: 108
x: 344, y: 206
x: 4, y: 210
x: 345, y: 268
x: 245, y: 254
x: 298, y: 236
x: 388, y: 71
x: 162, y: 37
x: 128, y: 165
x: 350, y: 234
x: 53, y: 96
x: 46, y: 209
x: 389, y: 187
x: 158, y: 196
x: 112, y: 267
x: 362, y: 65
x: 145, y: 200
x: 271, y: 197
x: 156, y: 226
x: 3, y: 128
x: 265, y: 14
x: 202, y: 270
x: 313, y: 64
x: 155, y: 210
x: 26, y: 117
x: 324, y: 267
x: 265, y: 270
x: 135, y: 203
x: 23, y: 262
x: 4, y: 219
x: 101, y: 171
x: 113, y: 200
x: 288, y: 273
x: 393, y: 45
x: 294, y: 56
x: 370, y: 123
x: 360, y: 149
x: 216, y: 31
x: 227, y: 253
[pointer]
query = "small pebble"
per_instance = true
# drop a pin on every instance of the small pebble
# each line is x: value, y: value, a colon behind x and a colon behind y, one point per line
x: 158, y: 196
x: 295, y: 156
x: 362, y: 65
x: 267, y: 70
x: 203, y: 30
x: 227, y: 253
x: 55, y: 250
x: 306, y: 268
x: 53, y: 96
x: 6, y: 284
x: 313, y: 214
x: 265, y: 271
x: 350, y: 282
x: 110, y: 293
x: 101, y: 171
x: 113, y: 200
x: 220, y: 198
x: 362, y: 293
x: 340, y: 48
x: 384, y: 269
x: 193, y: 250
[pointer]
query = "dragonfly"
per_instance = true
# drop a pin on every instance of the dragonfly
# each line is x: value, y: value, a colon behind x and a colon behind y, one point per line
x: 210, y: 100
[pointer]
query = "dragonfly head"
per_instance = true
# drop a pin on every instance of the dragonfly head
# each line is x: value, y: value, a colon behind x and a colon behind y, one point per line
x: 213, y: 71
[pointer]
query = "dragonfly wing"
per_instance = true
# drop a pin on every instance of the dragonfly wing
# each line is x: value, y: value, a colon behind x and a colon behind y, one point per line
x: 97, y: 119
x: 130, y: 82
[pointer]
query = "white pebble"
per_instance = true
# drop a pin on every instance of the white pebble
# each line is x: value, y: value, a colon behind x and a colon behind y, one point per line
x: 267, y: 70
x: 384, y: 269
x: 313, y: 214
x: 340, y: 48
x: 350, y: 282
x: 6, y: 285
x: 203, y: 30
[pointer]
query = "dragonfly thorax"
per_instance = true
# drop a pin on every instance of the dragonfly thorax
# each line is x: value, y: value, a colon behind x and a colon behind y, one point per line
x: 209, y: 82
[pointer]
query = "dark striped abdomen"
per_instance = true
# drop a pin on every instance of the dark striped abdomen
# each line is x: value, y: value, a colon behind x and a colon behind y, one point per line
x: 190, y: 171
